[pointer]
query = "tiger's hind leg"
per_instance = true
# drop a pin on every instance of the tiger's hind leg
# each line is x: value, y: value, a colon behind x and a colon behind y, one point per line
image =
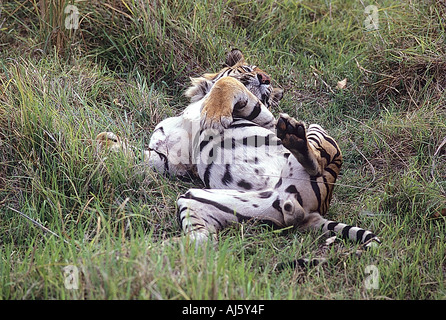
x: 313, y: 148
x: 203, y: 213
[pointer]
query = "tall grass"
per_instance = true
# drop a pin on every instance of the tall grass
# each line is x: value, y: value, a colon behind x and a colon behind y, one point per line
x: 125, y: 69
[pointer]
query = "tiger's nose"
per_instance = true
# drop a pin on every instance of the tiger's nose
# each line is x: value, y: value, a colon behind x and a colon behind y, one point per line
x: 263, y: 78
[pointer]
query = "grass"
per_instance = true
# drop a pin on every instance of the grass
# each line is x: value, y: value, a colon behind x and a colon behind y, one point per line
x: 125, y: 69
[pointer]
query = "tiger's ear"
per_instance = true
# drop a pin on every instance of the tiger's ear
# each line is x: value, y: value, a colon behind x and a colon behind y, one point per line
x: 199, y: 87
x: 233, y: 57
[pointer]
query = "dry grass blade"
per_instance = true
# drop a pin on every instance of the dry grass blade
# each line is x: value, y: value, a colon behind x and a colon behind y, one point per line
x: 433, y: 163
x: 42, y: 227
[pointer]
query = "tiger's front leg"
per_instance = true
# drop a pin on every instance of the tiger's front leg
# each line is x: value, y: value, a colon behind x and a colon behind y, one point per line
x: 111, y: 141
x: 202, y: 213
x: 229, y: 98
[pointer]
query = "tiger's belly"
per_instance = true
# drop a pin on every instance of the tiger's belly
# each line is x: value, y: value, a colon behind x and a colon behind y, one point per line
x: 244, y: 157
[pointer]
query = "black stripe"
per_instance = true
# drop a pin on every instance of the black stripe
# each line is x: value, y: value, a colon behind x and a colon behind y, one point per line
x: 222, y: 74
x: 345, y: 231
x: 241, y: 199
x: 325, y: 155
x: 199, y: 227
x: 160, y: 129
x: 332, y: 142
x: 299, y: 198
x: 332, y: 225
x: 180, y: 219
x: 317, y: 191
x: 267, y: 142
x: 196, y: 224
x: 227, y: 177
x: 292, y: 189
x: 164, y: 158
x: 211, y: 154
x: 181, y: 210
x: 205, y: 141
x: 244, y: 184
x: 265, y: 194
x: 240, y: 105
x: 279, y: 183
x: 202, y: 89
x: 321, y: 131
x: 369, y: 236
x: 242, y: 218
x: 255, y: 112
x: 188, y: 194
x: 256, y: 141
x: 337, y: 163
x: 332, y: 172
x: 214, y: 204
x: 294, y: 264
x: 326, y: 198
x: 203, y: 144
x: 243, y: 125
x: 218, y: 222
x: 317, y: 141
x: 315, y: 138
x: 207, y: 175
x: 184, y: 217
x: 359, y: 235
x: 276, y: 205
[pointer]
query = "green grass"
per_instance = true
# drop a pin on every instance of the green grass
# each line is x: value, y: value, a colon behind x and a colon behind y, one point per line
x: 125, y: 69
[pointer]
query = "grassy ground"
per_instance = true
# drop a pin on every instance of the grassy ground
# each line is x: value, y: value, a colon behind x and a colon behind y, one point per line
x: 125, y: 68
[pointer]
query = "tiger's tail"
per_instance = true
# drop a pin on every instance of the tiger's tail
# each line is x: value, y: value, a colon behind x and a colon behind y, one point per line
x: 365, y: 237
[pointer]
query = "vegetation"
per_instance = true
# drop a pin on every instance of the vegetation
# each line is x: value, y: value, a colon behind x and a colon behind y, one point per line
x: 125, y: 68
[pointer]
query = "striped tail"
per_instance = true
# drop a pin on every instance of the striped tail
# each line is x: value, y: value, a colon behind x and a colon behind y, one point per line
x: 365, y: 237
x: 302, y: 263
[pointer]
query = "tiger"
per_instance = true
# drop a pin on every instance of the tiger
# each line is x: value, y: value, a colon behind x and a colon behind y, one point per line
x: 280, y: 171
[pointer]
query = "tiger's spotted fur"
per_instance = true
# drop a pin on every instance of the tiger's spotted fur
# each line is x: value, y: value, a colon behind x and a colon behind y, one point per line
x: 255, y: 168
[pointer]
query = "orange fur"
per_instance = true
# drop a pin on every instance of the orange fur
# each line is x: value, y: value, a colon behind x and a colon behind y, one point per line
x: 218, y: 106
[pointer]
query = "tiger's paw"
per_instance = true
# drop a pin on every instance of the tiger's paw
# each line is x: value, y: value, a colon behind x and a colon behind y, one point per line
x: 192, y: 240
x: 226, y: 95
x: 110, y: 141
x: 292, y: 133
x: 216, y: 117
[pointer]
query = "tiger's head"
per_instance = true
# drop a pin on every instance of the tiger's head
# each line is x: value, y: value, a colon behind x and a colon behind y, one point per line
x: 255, y: 80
